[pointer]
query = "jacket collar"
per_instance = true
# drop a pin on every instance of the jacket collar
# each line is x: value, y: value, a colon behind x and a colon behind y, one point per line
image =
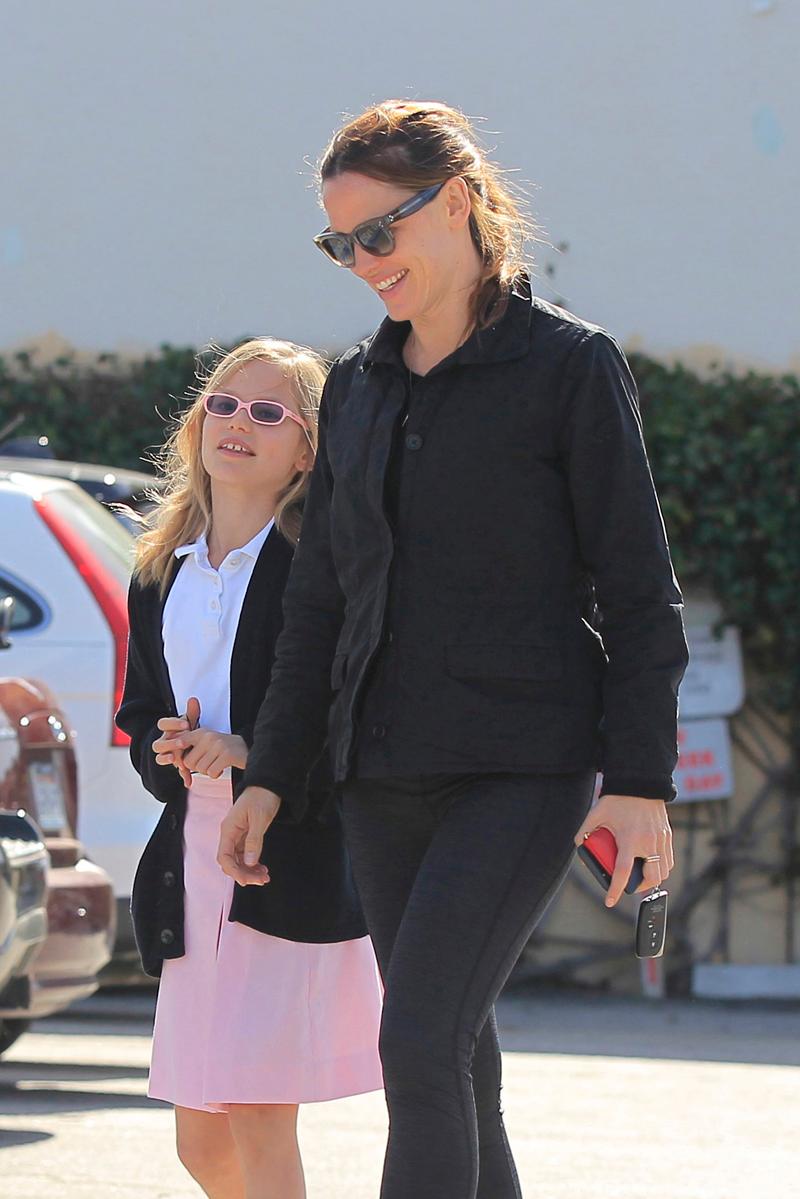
x: 509, y: 338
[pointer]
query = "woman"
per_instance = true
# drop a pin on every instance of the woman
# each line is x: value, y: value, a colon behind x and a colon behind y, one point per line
x: 267, y: 998
x: 484, y: 589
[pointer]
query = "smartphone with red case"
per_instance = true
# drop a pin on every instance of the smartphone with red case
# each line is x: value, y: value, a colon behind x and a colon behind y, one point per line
x: 599, y: 852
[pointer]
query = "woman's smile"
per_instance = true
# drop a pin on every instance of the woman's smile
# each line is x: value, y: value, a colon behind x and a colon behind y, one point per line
x: 391, y: 282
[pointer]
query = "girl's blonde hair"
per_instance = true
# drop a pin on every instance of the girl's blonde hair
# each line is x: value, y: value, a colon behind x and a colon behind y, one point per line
x: 183, y: 508
x: 416, y: 143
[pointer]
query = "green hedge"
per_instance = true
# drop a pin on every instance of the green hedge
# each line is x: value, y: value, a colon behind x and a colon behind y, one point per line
x: 109, y: 411
x: 725, y: 453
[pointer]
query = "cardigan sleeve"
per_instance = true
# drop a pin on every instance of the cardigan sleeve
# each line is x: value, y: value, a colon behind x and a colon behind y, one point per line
x: 624, y: 547
x: 142, y: 705
x: 291, y: 725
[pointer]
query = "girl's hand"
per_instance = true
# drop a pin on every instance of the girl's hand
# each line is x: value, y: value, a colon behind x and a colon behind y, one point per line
x: 205, y: 751
x: 165, y: 749
x: 641, y: 830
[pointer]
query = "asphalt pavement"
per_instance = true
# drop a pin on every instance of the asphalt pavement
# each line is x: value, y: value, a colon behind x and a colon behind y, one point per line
x: 604, y: 1097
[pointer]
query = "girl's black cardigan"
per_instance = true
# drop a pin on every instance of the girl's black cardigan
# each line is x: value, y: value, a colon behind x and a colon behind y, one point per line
x: 311, y: 896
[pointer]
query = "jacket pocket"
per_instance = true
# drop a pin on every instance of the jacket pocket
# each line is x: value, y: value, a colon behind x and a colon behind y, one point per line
x: 338, y: 671
x: 504, y: 660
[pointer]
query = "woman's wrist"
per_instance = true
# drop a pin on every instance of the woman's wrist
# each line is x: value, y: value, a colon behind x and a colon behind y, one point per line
x: 264, y: 798
x: 239, y: 751
x: 639, y: 786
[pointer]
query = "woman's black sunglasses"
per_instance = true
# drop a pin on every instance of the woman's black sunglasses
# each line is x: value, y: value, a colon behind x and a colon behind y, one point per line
x: 375, y: 235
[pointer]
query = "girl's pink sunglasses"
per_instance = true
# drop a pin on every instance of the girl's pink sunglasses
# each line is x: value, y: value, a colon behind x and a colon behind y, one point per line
x: 263, y: 412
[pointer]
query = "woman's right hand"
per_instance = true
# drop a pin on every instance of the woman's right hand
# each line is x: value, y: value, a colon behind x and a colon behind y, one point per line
x: 241, y: 836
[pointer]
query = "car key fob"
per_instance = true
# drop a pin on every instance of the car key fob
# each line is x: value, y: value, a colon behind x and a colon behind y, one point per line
x: 651, y: 925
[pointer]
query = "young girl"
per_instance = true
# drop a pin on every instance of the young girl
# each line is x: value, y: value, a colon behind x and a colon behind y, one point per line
x: 269, y: 997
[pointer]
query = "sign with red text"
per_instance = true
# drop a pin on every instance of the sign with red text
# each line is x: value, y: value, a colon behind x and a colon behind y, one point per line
x: 704, y: 768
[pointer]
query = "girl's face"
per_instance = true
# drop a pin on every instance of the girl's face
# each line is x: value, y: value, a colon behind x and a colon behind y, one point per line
x: 239, y: 452
x: 431, y: 245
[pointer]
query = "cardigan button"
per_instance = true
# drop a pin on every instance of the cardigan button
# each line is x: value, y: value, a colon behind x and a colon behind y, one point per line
x: 167, y: 936
x: 168, y: 878
x: 414, y: 441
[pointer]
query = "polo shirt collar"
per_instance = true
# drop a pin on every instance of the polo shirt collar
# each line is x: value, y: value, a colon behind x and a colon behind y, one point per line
x: 200, y: 547
x: 507, y: 339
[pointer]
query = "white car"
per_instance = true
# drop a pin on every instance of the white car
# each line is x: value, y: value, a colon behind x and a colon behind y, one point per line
x: 66, y: 561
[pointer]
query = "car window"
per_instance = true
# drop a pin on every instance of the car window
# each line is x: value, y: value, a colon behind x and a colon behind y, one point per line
x: 108, y: 539
x: 28, y: 612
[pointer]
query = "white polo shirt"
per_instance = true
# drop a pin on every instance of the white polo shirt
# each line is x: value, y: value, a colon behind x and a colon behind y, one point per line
x: 199, y: 623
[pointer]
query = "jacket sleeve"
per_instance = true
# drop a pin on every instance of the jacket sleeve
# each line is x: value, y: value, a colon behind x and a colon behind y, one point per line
x: 141, y: 706
x: 624, y: 547
x: 291, y: 726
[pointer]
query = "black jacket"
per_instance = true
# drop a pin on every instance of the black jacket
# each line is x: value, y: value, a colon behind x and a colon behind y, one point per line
x: 311, y: 896
x: 529, y: 597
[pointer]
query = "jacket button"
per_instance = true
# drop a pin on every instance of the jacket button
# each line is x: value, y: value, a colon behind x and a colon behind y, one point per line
x: 414, y: 441
x: 167, y: 936
x: 379, y: 731
x: 168, y: 878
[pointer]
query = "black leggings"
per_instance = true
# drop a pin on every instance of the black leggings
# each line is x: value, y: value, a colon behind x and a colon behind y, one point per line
x: 454, y: 872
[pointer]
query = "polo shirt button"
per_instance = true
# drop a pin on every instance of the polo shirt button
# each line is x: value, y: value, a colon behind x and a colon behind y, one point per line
x: 168, y: 878
x: 167, y: 936
x: 379, y: 731
x: 414, y: 441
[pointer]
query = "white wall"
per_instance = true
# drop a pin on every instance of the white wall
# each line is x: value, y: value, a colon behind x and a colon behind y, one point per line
x: 155, y: 189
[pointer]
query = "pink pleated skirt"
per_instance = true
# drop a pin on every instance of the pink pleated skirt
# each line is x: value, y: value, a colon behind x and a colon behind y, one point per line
x: 244, y: 1017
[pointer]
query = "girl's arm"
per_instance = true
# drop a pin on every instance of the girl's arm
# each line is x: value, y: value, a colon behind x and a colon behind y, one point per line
x: 142, y: 706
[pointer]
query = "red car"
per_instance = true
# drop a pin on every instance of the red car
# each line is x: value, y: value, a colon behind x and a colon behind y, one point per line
x: 81, y: 910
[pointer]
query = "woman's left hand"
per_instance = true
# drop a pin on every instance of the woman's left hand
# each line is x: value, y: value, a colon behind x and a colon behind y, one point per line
x: 205, y: 751
x: 641, y: 830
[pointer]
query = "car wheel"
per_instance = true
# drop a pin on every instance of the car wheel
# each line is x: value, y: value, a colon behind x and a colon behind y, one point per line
x: 9, y: 1031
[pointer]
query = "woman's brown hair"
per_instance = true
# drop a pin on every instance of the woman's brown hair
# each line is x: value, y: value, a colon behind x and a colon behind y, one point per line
x: 414, y: 144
